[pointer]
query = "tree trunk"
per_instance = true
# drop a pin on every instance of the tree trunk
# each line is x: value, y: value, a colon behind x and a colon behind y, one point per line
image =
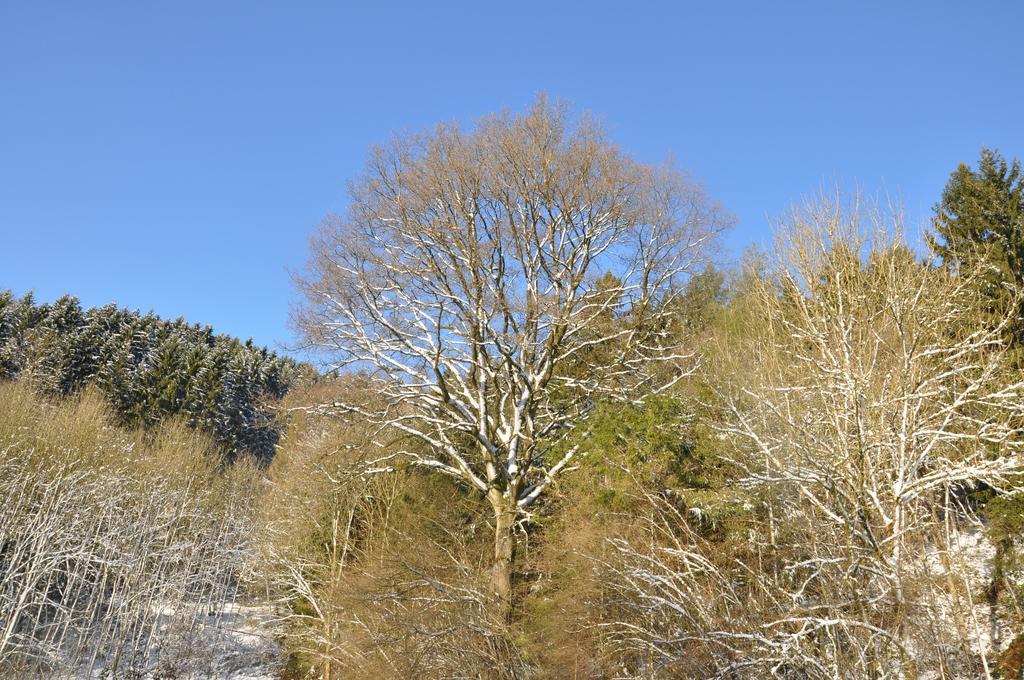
x: 504, y: 550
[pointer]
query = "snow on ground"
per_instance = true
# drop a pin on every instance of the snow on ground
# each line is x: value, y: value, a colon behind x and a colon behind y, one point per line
x: 235, y: 642
x: 244, y: 639
x: 964, y: 572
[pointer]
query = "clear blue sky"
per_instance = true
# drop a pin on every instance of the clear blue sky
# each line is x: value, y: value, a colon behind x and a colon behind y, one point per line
x: 176, y: 155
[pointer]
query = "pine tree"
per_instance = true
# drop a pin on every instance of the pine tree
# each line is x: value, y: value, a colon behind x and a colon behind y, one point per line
x: 17, y: 319
x: 149, y: 368
x: 161, y: 381
x: 980, y: 222
x: 56, y: 357
x: 10, y: 334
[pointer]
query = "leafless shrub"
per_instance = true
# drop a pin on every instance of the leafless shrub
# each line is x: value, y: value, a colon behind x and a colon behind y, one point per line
x: 110, y: 541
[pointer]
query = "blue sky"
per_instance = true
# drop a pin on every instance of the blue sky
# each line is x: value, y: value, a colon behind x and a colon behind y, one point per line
x: 175, y: 156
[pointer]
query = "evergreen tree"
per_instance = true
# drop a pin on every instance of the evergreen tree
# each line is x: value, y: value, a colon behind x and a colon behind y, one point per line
x: 149, y: 368
x: 161, y: 381
x: 17, y: 319
x: 54, y: 357
x: 980, y: 222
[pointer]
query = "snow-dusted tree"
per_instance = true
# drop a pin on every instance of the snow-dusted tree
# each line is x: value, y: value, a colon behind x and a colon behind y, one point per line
x: 869, y: 394
x: 148, y: 368
x: 863, y: 395
x: 495, y: 282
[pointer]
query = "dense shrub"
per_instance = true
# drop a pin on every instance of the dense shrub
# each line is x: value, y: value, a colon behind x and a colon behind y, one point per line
x: 118, y: 548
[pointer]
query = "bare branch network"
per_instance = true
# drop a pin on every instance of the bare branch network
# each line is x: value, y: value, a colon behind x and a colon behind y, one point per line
x: 864, y: 402
x: 495, y: 283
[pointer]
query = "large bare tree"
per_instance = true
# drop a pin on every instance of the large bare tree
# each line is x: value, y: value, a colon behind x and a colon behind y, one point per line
x: 494, y: 283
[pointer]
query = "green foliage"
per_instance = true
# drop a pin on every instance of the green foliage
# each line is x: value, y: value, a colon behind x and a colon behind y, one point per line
x: 983, y: 207
x: 665, y: 446
x: 658, y: 439
x: 702, y: 300
x: 980, y: 223
x: 1005, y: 516
x: 147, y: 368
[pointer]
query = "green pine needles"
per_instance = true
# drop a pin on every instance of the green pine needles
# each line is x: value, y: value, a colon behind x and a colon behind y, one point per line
x: 149, y: 368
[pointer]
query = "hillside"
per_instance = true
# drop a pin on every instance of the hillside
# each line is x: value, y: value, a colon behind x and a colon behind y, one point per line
x: 149, y: 368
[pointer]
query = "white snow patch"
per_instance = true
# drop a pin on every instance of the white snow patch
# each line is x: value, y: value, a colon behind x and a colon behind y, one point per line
x: 235, y: 642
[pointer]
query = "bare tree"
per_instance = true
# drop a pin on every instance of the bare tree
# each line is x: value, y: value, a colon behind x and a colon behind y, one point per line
x: 866, y: 395
x: 493, y: 283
